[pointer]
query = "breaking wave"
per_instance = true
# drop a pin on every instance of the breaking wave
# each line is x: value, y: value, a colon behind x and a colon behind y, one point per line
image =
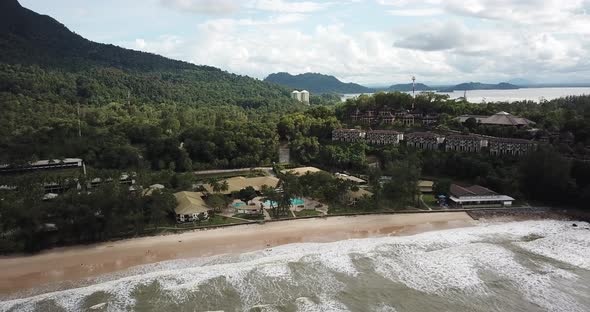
x: 518, y: 266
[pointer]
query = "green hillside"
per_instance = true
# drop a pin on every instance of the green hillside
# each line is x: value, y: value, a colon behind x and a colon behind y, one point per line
x: 316, y: 83
x: 134, y: 108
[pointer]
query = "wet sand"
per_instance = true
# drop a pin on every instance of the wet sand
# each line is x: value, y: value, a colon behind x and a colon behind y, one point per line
x: 76, y: 263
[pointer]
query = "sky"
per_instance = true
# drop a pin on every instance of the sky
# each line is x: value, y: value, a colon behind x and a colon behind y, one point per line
x: 372, y: 42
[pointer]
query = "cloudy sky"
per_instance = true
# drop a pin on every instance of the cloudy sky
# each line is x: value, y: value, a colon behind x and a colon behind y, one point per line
x: 374, y: 42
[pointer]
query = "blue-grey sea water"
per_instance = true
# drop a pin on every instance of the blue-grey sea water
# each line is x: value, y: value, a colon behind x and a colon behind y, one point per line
x: 529, y: 94
x: 517, y: 266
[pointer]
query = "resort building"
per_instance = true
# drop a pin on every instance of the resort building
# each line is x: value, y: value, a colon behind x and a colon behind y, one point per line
x: 386, y: 117
x: 50, y: 164
x: 368, y: 117
x: 236, y: 184
x: 301, y: 170
x: 429, y: 119
x: 465, y: 143
x: 476, y: 196
x: 509, y: 146
x: 348, y: 135
x: 353, y: 197
x: 348, y: 177
x: 190, y: 207
x: 384, y: 137
x: 425, y: 186
x: 424, y: 140
x: 408, y: 119
x: 498, y: 119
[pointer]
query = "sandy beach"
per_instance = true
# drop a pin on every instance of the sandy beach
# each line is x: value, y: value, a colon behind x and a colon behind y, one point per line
x: 77, y: 263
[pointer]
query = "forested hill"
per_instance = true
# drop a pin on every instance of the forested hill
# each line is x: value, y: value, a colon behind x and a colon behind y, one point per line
x: 34, y: 46
x: 316, y: 83
x: 480, y: 86
x: 408, y: 87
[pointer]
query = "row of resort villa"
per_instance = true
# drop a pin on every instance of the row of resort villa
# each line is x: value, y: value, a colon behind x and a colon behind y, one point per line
x: 430, y: 140
x: 389, y: 117
x: 192, y: 206
x: 413, y: 118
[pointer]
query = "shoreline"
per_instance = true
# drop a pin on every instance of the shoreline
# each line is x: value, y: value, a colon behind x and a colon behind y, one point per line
x: 68, y: 265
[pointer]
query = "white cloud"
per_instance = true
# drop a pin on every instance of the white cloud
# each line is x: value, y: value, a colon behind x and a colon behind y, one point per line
x: 204, y: 6
x: 232, y: 6
x: 444, y: 42
x: 416, y: 12
x: 287, y: 6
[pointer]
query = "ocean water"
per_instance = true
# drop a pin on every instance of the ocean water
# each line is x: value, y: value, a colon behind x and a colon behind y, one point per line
x: 518, y: 266
x: 531, y: 94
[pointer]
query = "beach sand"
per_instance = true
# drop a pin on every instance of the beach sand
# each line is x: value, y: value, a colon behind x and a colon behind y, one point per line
x: 76, y: 263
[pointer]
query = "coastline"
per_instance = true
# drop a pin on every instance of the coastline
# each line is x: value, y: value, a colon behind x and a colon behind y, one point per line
x: 71, y: 264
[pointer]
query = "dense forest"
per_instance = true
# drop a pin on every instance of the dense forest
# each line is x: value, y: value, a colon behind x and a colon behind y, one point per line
x: 157, y: 119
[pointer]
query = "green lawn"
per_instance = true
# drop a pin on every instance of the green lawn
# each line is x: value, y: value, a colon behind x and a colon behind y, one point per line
x: 307, y: 213
x: 221, y: 220
x: 430, y: 200
x: 249, y: 217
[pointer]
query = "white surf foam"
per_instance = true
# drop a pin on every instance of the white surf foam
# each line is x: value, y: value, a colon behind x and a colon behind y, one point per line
x: 434, y: 262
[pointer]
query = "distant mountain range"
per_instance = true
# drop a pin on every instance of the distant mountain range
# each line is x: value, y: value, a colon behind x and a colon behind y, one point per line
x: 316, y: 83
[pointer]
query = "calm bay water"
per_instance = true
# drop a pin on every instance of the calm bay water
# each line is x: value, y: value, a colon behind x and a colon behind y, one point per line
x: 519, y: 266
x: 532, y: 94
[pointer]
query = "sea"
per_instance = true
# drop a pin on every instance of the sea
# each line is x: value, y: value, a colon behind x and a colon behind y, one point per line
x: 530, y: 94
x: 515, y: 266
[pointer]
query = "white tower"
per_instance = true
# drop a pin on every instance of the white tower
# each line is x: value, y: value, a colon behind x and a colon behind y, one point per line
x: 413, y: 92
x: 305, y: 97
x: 296, y: 95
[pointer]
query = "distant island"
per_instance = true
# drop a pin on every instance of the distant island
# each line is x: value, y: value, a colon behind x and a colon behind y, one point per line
x: 405, y: 87
x: 479, y: 86
x: 316, y: 83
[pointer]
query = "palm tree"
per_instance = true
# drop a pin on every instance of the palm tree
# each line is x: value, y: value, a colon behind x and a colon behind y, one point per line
x: 271, y: 195
x: 217, y: 186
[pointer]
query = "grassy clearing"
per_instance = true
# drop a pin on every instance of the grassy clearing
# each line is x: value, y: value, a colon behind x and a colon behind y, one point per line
x: 307, y: 213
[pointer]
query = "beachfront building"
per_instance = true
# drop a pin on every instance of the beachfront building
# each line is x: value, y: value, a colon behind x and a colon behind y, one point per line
x: 465, y: 143
x: 348, y: 135
x: 236, y: 184
x: 424, y: 140
x: 476, y: 196
x: 509, y: 146
x: 353, y: 197
x: 300, y: 171
x: 190, y: 207
x: 384, y: 137
x: 498, y: 119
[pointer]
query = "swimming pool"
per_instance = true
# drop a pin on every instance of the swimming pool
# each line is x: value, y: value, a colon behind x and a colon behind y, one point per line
x: 239, y: 204
x: 294, y: 202
x: 297, y: 201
